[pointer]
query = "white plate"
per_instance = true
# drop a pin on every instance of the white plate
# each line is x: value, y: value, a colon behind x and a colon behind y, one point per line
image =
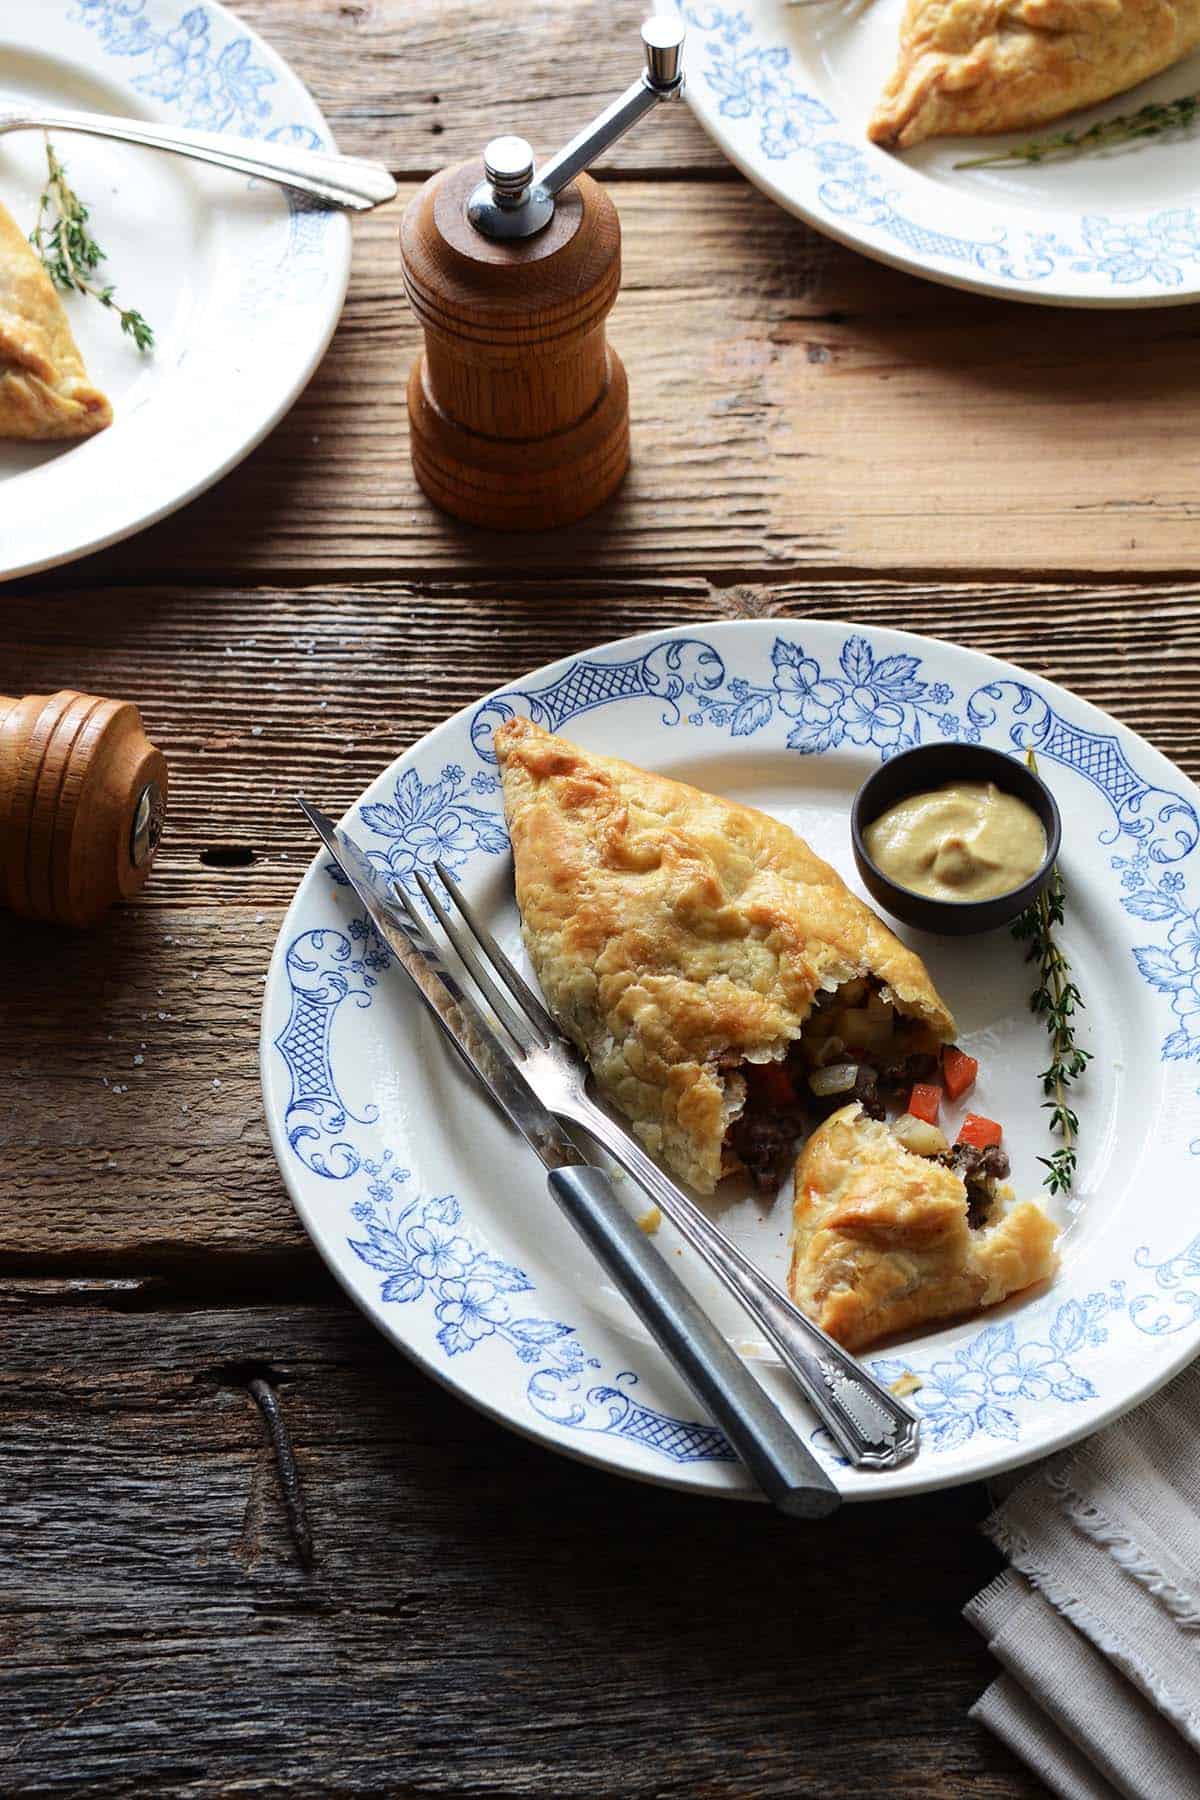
x: 436, y: 1219
x: 242, y: 285
x: 787, y: 93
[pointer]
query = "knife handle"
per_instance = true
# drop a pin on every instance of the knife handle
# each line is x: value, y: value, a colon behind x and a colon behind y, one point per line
x: 773, y: 1451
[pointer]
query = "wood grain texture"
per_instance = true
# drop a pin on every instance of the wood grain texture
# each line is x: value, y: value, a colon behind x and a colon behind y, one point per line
x: 483, y: 1617
x: 793, y: 407
x: 133, y: 1080
x: 421, y: 85
x: 256, y: 694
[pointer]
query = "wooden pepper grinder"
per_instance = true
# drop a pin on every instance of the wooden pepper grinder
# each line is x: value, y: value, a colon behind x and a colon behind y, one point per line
x: 518, y: 409
x: 82, y: 798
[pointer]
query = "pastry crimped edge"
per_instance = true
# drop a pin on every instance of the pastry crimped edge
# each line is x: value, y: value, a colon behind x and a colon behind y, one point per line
x: 45, y: 393
x: 881, y: 1241
x: 969, y: 68
x: 669, y: 927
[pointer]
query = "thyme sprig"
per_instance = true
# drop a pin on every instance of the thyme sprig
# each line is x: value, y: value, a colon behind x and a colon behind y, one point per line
x: 70, y: 253
x: 1152, y: 120
x: 1055, y: 1000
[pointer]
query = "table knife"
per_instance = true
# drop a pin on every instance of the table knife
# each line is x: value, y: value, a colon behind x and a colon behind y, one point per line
x: 768, y: 1444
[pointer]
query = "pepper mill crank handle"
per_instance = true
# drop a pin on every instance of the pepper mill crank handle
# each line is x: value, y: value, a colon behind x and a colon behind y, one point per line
x: 661, y: 79
x: 514, y: 202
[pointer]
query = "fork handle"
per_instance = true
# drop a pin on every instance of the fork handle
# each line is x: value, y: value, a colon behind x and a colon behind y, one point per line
x: 773, y: 1451
x: 344, y: 181
x: 870, y: 1425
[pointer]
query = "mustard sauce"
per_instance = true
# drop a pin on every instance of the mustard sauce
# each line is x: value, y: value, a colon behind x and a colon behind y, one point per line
x: 967, y: 841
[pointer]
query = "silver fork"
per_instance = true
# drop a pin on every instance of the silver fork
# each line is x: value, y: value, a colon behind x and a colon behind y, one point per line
x: 870, y: 1424
x: 344, y: 181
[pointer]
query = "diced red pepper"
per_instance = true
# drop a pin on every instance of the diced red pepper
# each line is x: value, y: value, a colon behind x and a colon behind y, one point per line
x: 982, y: 1133
x: 958, y: 1071
x: 924, y: 1101
x: 776, y: 1084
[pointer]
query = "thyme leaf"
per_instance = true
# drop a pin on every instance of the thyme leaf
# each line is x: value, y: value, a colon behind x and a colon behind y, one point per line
x: 70, y: 254
x: 1152, y: 120
x: 1055, y: 1000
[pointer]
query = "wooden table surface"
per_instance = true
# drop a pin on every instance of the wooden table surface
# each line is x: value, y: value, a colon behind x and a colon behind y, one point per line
x: 814, y: 436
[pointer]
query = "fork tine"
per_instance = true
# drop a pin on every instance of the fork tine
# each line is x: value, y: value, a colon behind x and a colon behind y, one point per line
x: 512, y: 978
x: 422, y: 939
x: 513, y: 1022
x: 417, y: 931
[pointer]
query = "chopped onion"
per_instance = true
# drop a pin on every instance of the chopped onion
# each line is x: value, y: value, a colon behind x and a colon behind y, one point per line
x: 919, y: 1136
x: 838, y: 1078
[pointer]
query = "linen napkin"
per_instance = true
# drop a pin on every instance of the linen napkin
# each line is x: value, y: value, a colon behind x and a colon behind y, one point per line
x: 1097, y: 1621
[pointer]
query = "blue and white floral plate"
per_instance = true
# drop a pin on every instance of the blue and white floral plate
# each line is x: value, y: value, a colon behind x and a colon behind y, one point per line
x: 242, y: 285
x: 787, y: 91
x: 437, y: 1221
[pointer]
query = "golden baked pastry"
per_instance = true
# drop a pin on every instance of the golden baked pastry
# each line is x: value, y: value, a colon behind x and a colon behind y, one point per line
x: 881, y: 1238
x: 968, y: 67
x: 44, y: 389
x: 685, y: 941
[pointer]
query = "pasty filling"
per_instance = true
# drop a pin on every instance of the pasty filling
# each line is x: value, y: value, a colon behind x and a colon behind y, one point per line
x: 854, y: 1046
x: 981, y: 1172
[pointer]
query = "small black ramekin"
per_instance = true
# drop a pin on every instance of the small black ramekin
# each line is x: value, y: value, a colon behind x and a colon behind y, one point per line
x: 933, y: 766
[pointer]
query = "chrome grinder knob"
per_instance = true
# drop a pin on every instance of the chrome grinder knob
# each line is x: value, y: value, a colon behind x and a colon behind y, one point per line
x: 662, y: 39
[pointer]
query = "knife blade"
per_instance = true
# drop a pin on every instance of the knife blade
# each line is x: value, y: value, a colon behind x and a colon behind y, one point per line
x: 458, y: 1017
x: 768, y: 1444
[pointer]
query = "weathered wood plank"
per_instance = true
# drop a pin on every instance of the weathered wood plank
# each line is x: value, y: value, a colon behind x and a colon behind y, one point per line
x: 483, y: 1617
x: 420, y: 86
x: 130, y: 1110
x: 258, y: 694
x: 794, y: 407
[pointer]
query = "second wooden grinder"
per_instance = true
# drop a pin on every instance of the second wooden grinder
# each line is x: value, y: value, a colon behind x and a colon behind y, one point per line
x: 518, y: 408
x: 82, y: 797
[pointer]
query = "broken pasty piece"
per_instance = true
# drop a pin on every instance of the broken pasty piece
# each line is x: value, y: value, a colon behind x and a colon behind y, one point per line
x: 882, y: 1239
x: 44, y: 389
x: 710, y: 967
x: 969, y: 67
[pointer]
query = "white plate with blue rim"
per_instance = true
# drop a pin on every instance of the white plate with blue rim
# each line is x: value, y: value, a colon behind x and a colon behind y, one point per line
x: 436, y: 1219
x: 242, y: 284
x: 787, y: 91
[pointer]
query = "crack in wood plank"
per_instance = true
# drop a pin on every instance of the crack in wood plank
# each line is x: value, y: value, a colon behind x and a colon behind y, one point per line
x: 486, y: 1618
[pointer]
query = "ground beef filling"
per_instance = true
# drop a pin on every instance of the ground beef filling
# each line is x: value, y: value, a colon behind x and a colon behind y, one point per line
x: 764, y: 1143
x: 979, y: 1170
x: 855, y: 1047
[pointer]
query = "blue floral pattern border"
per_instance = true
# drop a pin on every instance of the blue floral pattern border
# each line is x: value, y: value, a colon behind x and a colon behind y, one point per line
x: 423, y: 1250
x: 752, y: 80
x: 211, y: 80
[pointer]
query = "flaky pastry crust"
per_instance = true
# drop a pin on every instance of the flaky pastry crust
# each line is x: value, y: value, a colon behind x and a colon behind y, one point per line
x: 674, y: 932
x: 881, y: 1243
x: 969, y: 67
x: 44, y: 389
